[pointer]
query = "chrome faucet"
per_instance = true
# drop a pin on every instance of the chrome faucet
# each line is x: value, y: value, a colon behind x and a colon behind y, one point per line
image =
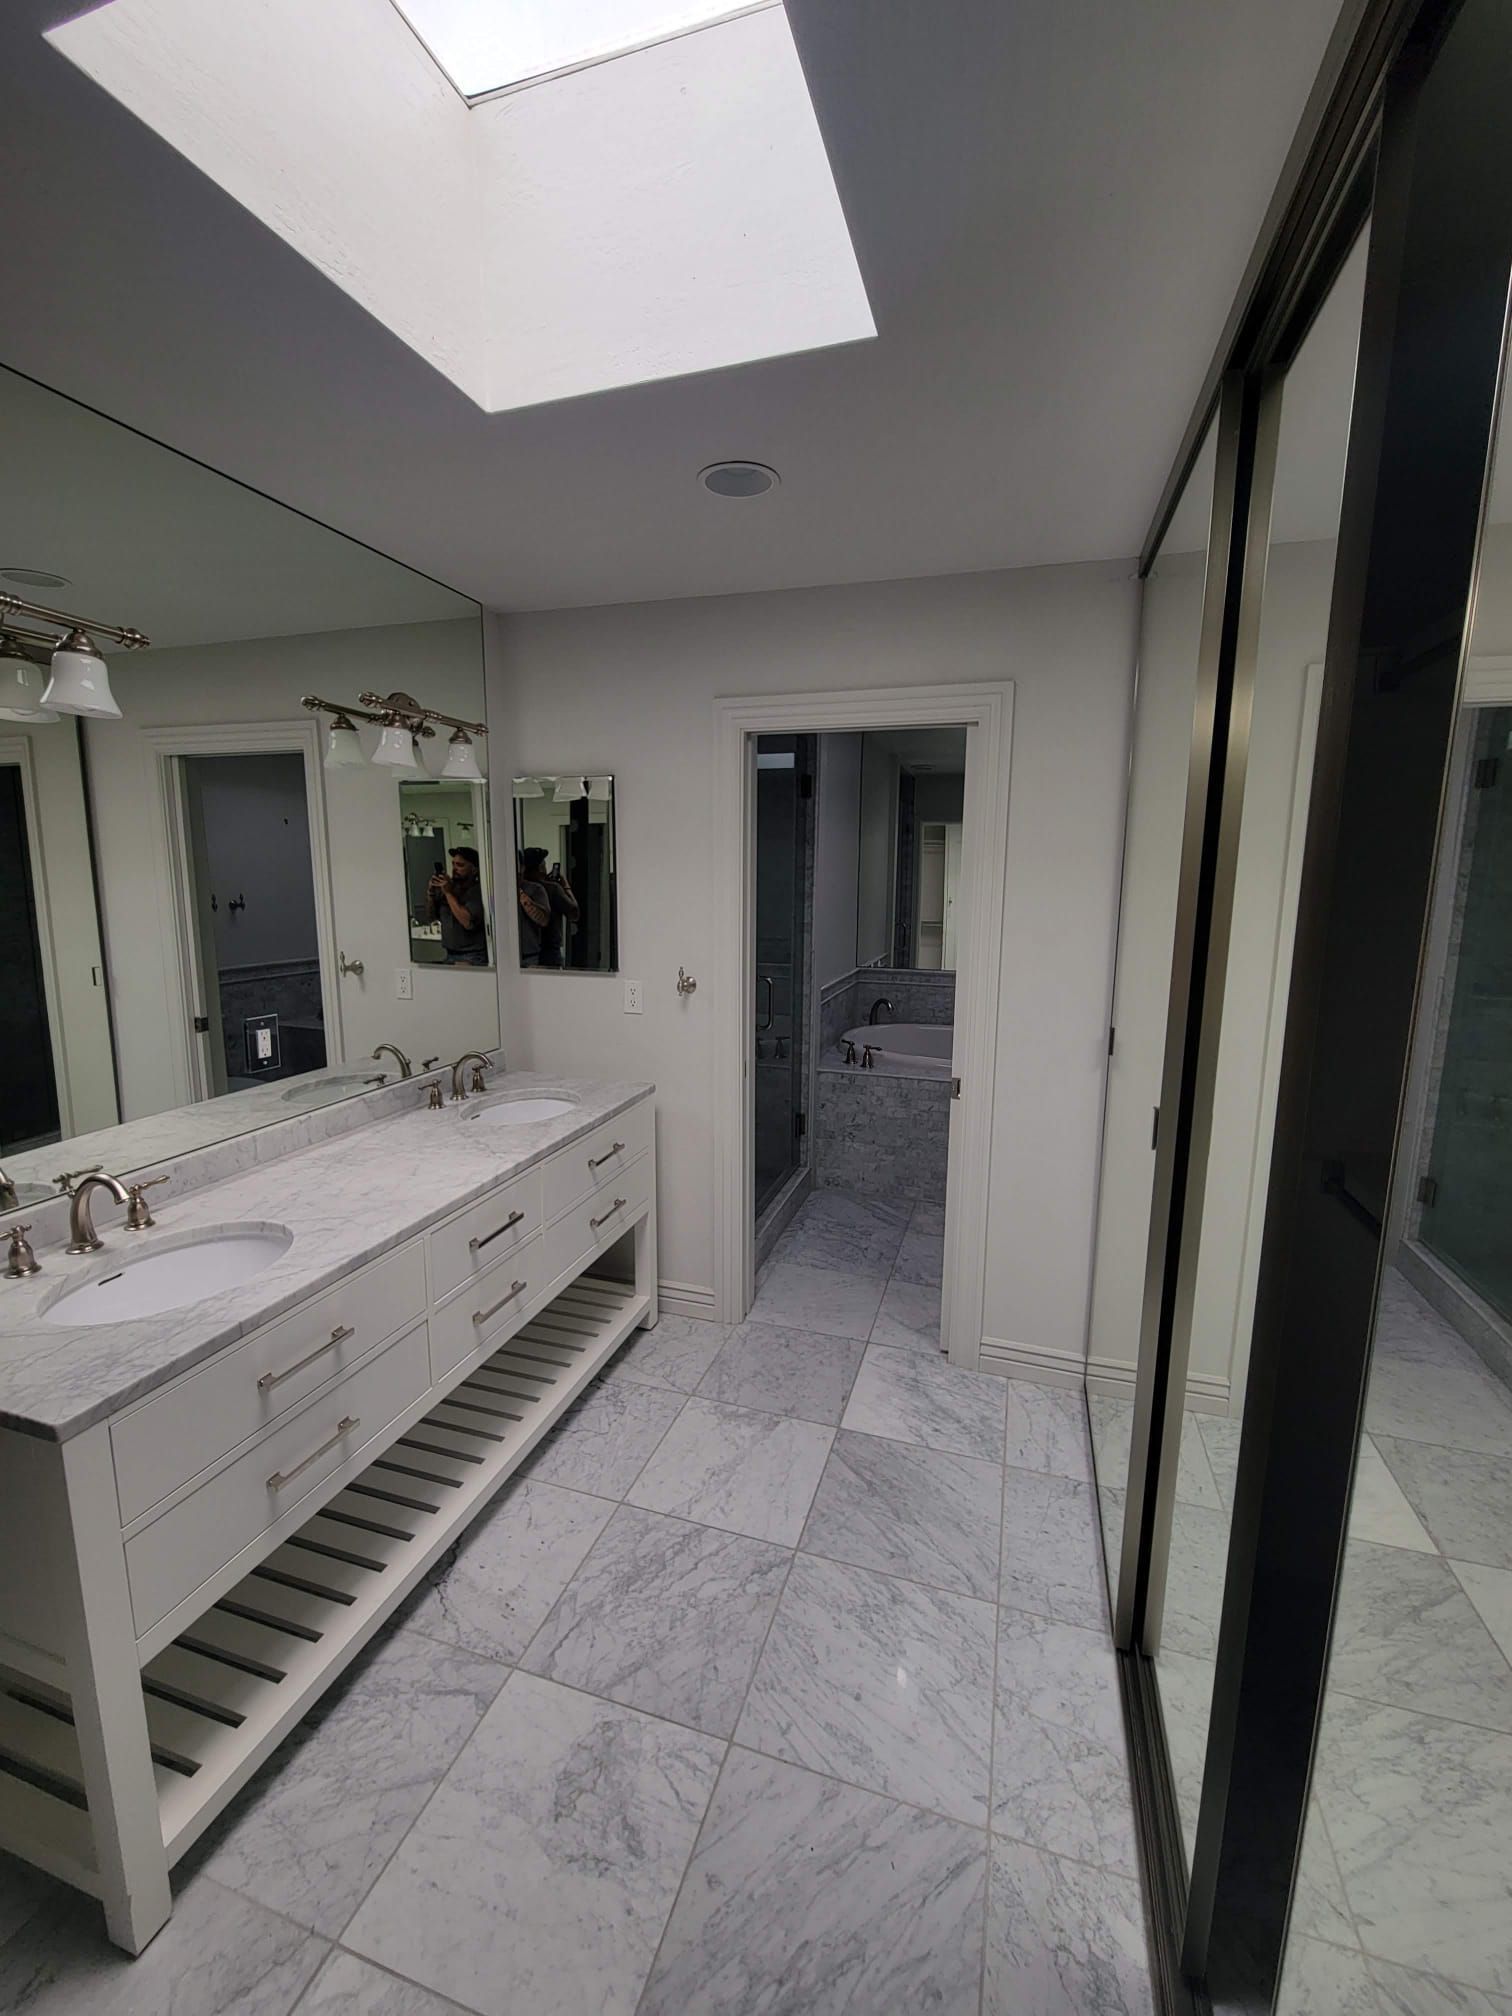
x: 405, y: 1068
x: 480, y: 1064
x: 82, y: 1236
x: 880, y: 1002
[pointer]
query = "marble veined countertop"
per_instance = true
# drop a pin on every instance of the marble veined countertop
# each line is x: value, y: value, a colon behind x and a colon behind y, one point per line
x: 346, y: 1202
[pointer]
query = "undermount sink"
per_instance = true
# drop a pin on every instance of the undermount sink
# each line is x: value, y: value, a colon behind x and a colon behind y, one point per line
x: 511, y: 1111
x: 173, y: 1276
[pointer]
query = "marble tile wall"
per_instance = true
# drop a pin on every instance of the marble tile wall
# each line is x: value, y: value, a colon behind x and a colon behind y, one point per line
x: 916, y: 997
x: 878, y: 1135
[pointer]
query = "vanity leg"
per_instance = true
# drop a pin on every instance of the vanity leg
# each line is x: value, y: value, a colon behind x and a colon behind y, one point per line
x: 104, y: 1682
x: 645, y: 1262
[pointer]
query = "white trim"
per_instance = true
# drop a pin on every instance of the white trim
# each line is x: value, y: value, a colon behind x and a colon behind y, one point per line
x: 163, y: 745
x: 985, y: 710
x: 681, y: 1298
x: 17, y: 750
x: 1206, y: 1392
x: 1488, y: 683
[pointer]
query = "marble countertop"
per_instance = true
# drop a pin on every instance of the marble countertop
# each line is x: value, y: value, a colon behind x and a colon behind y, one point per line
x: 346, y: 1202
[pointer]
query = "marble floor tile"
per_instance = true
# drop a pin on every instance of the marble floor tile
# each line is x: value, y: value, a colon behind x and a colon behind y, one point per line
x: 665, y: 1616
x: 23, y: 1891
x: 1426, y: 1384
x: 908, y: 1396
x: 865, y: 1214
x: 1379, y: 1511
x: 1195, y: 1575
x: 490, y: 1591
x: 928, y: 1218
x: 1407, y: 1635
x: 347, y: 1986
x: 810, y: 1898
x: 867, y: 1250
x: 907, y: 1511
x: 1322, y: 1980
x: 676, y: 1354
x: 1186, y: 1702
x: 1052, y: 1564
x: 1112, y: 1424
x: 541, y: 1874
x: 1420, y: 1813
x: 602, y: 1444
x: 1320, y: 1909
x: 1490, y: 1590
x: 1063, y: 1939
x: 818, y: 1298
x: 1060, y: 1777
x: 1047, y: 1430
x: 1401, y: 1992
x: 311, y: 1833
x: 883, y: 1683
x: 776, y: 1371
x: 218, y: 1955
x: 1220, y: 1441
x: 909, y: 1318
x: 1462, y: 1496
x: 738, y: 1469
x: 921, y: 1259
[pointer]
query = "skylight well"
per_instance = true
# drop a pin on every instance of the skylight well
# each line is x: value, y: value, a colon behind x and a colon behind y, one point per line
x: 490, y: 45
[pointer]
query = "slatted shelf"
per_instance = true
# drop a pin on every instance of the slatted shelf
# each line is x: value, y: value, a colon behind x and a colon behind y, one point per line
x: 224, y: 1693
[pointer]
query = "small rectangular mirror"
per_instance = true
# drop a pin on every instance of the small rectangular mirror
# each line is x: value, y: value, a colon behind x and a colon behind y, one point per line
x: 445, y: 826
x: 565, y: 873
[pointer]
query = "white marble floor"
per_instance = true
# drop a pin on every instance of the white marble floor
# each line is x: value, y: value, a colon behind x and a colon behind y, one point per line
x: 1404, y: 1905
x: 781, y: 1681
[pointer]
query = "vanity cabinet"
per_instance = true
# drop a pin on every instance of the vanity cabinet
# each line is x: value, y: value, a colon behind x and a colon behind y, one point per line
x: 207, y: 1559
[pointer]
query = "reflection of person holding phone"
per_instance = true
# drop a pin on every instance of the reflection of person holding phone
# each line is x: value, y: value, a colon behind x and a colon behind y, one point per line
x: 457, y: 899
x: 546, y: 899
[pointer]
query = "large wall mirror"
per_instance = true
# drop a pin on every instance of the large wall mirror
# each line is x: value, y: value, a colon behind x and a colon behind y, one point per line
x: 565, y: 907
x: 221, y: 808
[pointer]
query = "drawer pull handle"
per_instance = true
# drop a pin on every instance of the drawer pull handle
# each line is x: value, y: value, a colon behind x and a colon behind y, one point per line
x: 343, y: 1427
x: 482, y: 1315
x: 598, y: 1161
x: 514, y: 1218
x: 617, y: 1205
x: 338, y: 1336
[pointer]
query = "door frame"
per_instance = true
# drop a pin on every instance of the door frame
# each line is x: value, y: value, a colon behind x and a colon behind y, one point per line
x: 183, y: 972
x: 985, y: 710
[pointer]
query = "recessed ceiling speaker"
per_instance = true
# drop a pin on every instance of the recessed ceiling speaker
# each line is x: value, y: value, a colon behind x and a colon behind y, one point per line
x: 739, y: 479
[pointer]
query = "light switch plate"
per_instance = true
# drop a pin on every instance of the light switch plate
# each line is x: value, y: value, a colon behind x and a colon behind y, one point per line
x: 632, y: 997
x: 404, y: 983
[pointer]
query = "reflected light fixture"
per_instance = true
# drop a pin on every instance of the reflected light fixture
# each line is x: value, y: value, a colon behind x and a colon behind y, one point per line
x: 22, y: 683
x: 529, y: 787
x: 569, y: 790
x: 462, y: 758
x: 80, y: 683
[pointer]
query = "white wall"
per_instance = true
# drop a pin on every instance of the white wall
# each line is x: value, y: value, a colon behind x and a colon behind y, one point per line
x: 631, y: 689
x: 837, y: 857
x: 452, y: 1008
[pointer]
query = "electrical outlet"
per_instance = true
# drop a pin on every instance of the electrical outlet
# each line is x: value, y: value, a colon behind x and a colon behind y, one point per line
x: 404, y: 983
x: 632, y: 997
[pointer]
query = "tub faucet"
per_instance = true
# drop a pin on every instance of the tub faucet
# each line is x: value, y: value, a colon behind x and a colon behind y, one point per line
x: 880, y: 1002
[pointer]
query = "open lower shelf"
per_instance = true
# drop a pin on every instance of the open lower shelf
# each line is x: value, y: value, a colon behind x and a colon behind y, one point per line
x: 224, y: 1693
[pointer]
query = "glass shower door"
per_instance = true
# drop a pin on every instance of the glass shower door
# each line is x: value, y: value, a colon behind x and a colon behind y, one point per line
x: 784, y: 772
x: 1467, y: 1196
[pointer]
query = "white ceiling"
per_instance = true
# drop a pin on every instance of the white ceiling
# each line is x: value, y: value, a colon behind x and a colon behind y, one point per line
x: 1051, y: 207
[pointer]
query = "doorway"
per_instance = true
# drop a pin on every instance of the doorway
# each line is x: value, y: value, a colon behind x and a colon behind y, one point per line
x: 28, y: 1079
x: 256, y: 968
x: 784, y: 841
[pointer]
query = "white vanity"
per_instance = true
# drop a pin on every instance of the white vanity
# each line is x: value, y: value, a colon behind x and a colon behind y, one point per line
x: 210, y: 1507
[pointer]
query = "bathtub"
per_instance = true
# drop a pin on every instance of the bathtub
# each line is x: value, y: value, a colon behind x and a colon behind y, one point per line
x: 923, y: 1047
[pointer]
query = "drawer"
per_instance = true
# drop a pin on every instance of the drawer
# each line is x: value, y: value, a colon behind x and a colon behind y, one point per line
x: 174, y: 1435
x: 569, y: 1176
x: 599, y: 1220
x: 182, y: 1549
x: 490, y: 1309
x: 464, y: 1250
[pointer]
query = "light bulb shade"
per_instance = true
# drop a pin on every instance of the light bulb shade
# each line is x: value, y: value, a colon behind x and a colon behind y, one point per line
x: 568, y: 791
x: 462, y: 759
x: 343, y: 750
x: 22, y: 685
x: 600, y: 789
x: 528, y: 787
x: 80, y: 683
x: 396, y: 749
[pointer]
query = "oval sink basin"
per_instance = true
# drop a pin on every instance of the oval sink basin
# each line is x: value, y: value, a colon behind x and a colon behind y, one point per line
x: 520, y: 1112
x: 173, y: 1276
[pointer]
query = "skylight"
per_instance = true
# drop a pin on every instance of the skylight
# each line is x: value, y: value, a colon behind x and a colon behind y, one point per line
x: 488, y: 45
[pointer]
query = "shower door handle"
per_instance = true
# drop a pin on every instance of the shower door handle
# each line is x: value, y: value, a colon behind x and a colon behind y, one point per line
x: 765, y: 980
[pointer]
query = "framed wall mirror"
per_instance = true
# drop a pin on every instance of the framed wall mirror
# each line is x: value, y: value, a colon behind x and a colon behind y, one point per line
x: 208, y: 920
x: 565, y: 904
x: 448, y: 902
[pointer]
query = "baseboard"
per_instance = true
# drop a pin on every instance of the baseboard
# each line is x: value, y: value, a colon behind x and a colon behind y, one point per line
x: 681, y: 1298
x: 1206, y: 1394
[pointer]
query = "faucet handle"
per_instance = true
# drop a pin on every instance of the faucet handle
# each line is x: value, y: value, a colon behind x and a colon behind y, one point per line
x: 138, y: 1216
x: 477, y: 1078
x: 20, y: 1260
x: 436, y: 1100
